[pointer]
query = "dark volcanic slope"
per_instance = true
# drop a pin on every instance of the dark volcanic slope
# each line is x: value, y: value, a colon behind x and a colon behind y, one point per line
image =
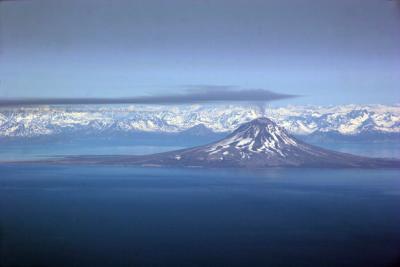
x: 256, y: 144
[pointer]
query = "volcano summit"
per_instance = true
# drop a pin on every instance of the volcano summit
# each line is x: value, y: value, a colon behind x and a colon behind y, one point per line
x: 259, y: 143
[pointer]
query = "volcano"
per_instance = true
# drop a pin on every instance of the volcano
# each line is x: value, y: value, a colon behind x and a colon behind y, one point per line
x: 260, y: 143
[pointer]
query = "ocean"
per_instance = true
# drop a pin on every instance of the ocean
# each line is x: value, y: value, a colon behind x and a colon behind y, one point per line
x: 130, y: 216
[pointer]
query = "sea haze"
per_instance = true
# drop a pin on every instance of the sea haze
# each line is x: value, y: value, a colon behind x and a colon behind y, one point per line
x: 33, y: 150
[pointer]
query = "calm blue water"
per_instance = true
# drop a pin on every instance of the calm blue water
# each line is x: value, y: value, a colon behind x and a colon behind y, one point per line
x: 123, y: 216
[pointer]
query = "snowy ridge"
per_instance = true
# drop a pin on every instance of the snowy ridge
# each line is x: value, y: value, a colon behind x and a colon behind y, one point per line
x: 300, y: 120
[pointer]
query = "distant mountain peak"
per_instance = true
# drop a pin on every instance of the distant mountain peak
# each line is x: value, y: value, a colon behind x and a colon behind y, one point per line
x: 260, y: 135
x: 199, y: 130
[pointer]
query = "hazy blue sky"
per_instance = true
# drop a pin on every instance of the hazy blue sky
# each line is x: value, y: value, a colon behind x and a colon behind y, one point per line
x: 334, y: 52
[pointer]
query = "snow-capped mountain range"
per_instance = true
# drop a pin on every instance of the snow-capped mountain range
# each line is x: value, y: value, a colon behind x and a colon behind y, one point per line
x: 299, y: 120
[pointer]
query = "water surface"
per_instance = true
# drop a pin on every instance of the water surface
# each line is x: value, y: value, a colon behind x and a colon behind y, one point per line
x: 126, y: 216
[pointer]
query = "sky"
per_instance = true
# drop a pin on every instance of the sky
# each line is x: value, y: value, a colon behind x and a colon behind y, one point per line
x: 329, y: 52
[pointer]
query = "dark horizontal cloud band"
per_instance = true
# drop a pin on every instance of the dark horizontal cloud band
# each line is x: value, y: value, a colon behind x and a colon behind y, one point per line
x: 206, y: 96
